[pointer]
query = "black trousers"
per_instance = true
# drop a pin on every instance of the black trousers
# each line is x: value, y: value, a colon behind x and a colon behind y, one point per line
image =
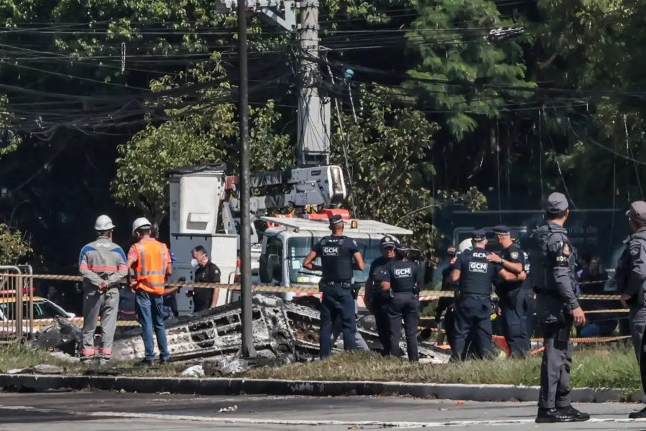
x: 516, y: 306
x: 382, y: 321
x: 472, y: 321
x: 404, y: 306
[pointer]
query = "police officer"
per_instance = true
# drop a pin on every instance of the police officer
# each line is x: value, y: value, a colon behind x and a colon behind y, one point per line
x: 374, y: 298
x: 447, y: 302
x: 514, y: 296
x: 558, y: 309
x: 399, y: 280
x: 631, y: 282
x: 339, y: 256
x: 475, y: 275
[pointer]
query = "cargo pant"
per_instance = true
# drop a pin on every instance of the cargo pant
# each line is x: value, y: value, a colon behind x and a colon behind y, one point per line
x: 557, y: 356
x: 637, y: 321
x: 105, y: 305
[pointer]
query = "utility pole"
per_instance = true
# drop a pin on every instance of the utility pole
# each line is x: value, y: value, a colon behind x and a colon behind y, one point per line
x: 313, y: 113
x: 246, y: 348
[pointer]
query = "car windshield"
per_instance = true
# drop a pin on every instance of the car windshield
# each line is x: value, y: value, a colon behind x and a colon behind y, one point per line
x: 299, y: 248
x: 46, y: 310
x: 42, y: 310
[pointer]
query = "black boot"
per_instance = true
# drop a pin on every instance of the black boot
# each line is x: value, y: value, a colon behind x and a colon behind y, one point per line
x: 638, y: 415
x: 576, y: 415
x: 548, y: 416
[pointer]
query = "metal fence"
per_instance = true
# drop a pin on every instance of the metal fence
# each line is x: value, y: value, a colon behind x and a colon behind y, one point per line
x: 16, y: 304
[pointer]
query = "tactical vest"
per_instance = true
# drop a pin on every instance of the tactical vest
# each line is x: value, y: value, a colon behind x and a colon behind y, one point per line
x: 403, y: 275
x: 476, y: 273
x: 336, y: 259
x: 541, y: 261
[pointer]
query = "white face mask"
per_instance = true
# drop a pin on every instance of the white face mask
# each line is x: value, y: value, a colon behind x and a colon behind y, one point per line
x: 194, y: 263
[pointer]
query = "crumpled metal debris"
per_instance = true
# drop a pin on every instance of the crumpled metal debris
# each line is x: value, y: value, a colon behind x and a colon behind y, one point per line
x: 229, y: 409
x: 62, y: 335
x: 194, y: 371
x: 283, y: 331
x: 38, y: 369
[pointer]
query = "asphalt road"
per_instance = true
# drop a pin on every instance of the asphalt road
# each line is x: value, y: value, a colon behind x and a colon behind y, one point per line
x: 107, y: 411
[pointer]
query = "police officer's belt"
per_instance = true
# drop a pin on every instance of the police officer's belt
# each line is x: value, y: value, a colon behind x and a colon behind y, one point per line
x: 345, y: 283
x: 483, y: 295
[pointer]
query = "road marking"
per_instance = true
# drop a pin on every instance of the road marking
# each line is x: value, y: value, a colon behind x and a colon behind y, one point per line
x: 303, y: 422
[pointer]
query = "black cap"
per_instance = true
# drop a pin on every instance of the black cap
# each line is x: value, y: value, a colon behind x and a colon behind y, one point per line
x: 336, y: 219
x: 451, y: 250
x: 555, y: 203
x: 388, y: 241
x: 478, y: 235
x: 402, y: 246
x: 501, y: 229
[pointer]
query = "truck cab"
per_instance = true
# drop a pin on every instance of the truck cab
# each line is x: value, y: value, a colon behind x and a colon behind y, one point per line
x: 289, y: 240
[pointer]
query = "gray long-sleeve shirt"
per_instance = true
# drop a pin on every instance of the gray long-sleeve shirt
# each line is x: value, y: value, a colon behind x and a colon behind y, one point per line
x: 102, y: 261
x: 631, y: 272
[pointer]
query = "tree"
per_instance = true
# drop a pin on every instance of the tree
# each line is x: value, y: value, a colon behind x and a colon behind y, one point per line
x: 384, y: 152
x: 459, y: 72
x: 14, y: 245
x: 196, y: 133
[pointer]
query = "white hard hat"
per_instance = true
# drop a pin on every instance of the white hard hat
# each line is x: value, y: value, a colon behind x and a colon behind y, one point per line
x: 139, y: 223
x: 103, y: 222
x: 465, y: 245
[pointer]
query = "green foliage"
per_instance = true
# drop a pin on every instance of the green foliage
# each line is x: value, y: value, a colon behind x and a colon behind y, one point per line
x: 14, y: 245
x: 9, y: 140
x: 459, y: 72
x: 195, y: 134
x: 386, y: 154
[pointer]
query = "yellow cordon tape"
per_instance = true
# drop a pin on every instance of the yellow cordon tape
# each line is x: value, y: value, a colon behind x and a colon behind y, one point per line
x: 425, y: 295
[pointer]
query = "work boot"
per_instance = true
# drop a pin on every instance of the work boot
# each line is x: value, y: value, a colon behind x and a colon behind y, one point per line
x: 574, y: 413
x: 549, y: 416
x: 638, y: 415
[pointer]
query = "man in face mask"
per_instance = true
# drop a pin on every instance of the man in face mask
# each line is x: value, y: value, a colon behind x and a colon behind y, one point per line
x: 205, y: 272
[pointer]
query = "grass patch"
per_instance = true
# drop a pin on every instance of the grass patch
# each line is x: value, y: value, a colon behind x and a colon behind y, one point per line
x: 615, y: 368
x: 608, y: 367
x: 20, y: 356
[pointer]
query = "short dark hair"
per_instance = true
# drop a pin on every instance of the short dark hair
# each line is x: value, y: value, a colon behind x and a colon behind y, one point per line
x: 145, y: 230
x: 639, y: 223
x: 555, y: 215
x: 201, y: 249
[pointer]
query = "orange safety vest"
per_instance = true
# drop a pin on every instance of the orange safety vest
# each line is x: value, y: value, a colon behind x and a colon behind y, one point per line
x: 150, y: 271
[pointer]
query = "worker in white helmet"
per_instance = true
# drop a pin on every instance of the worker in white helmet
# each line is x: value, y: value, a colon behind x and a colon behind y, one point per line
x: 151, y: 261
x: 102, y: 263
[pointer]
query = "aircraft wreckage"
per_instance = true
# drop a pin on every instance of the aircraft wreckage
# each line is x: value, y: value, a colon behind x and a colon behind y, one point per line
x: 280, y: 330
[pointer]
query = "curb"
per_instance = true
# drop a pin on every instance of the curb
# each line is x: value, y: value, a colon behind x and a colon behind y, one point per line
x: 228, y: 387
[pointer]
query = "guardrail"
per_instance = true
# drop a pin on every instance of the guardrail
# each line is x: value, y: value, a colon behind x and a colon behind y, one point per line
x: 16, y: 304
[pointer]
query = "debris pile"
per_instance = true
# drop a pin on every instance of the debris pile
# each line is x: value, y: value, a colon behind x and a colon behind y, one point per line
x: 282, y: 332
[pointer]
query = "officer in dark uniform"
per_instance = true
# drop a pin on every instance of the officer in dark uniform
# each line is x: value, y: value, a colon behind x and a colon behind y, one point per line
x: 399, y: 286
x: 631, y: 283
x: 529, y: 317
x: 558, y: 309
x: 374, y: 298
x: 447, y: 302
x: 475, y: 275
x: 514, y: 296
x: 339, y: 255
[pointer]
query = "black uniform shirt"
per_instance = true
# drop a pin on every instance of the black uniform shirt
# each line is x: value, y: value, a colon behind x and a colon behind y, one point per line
x: 209, y: 273
x: 336, y: 257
